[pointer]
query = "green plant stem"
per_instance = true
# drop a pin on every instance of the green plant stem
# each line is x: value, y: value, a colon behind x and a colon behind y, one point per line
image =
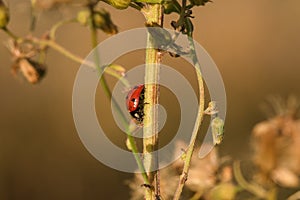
x: 153, y: 15
x: 256, y: 190
x: 200, y: 114
x: 182, y: 14
x: 9, y: 33
x: 197, y: 195
x: 33, y: 17
x: 78, y: 59
x: 62, y: 50
x: 58, y: 25
x: 107, y: 91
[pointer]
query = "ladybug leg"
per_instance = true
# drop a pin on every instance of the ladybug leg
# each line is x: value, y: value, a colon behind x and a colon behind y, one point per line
x: 147, y: 186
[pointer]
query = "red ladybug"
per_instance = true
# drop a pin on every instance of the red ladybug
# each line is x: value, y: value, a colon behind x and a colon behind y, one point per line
x: 135, y: 102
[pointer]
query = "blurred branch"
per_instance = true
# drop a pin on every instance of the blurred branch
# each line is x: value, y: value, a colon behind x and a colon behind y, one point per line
x: 295, y: 196
x: 58, y: 25
x: 9, y: 33
x: 256, y: 190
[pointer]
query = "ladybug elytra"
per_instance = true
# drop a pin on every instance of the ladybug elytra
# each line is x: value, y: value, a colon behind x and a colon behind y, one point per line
x: 135, y: 102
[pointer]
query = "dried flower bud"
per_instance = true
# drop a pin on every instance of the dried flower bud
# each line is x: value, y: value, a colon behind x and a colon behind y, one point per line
x: 83, y: 17
x: 276, y: 143
x: 31, y: 70
x: 211, y: 108
x: 285, y: 177
x: 199, y: 2
x: 226, y: 174
x: 103, y: 21
x: 4, y: 16
x: 119, y: 4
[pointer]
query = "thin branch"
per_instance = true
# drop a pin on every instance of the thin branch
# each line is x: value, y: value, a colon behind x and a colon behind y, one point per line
x: 58, y: 25
x: 199, y: 119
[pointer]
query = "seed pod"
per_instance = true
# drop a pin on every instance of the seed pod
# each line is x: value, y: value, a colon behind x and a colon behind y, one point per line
x: 4, y: 15
x: 119, y: 4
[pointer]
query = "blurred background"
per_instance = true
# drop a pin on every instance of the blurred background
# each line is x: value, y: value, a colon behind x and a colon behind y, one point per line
x: 255, y: 45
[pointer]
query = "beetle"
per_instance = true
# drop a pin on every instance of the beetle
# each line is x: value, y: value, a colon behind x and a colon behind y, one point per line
x: 135, y: 102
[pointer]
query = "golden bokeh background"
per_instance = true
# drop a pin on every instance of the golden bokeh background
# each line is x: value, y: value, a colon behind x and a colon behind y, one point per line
x: 255, y: 44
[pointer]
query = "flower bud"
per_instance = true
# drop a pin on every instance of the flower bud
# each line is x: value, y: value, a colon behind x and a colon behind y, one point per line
x: 119, y: 4
x: 103, y: 21
x: 83, y: 17
x: 4, y: 16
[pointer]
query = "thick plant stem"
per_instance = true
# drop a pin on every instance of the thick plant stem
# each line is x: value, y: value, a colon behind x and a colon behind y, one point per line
x: 189, y: 153
x: 153, y: 14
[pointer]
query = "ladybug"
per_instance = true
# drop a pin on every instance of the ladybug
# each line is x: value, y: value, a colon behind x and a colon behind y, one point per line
x: 135, y: 102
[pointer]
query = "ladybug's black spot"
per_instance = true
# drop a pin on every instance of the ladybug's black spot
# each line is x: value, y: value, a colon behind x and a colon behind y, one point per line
x: 133, y: 99
x: 147, y: 186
